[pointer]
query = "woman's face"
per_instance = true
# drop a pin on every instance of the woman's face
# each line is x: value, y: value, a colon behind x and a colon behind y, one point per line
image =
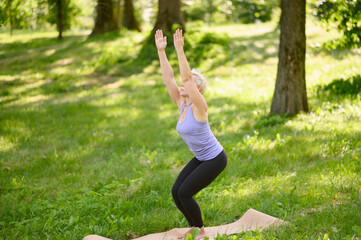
x: 183, y: 92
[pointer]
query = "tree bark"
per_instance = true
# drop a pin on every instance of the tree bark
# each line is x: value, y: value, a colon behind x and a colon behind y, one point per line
x: 169, y: 13
x: 119, y: 13
x: 105, y: 20
x: 11, y: 26
x: 130, y: 21
x: 290, y: 94
x: 60, y: 19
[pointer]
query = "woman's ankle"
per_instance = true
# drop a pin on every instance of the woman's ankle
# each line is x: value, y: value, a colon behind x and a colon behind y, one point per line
x: 202, y: 234
x: 202, y: 229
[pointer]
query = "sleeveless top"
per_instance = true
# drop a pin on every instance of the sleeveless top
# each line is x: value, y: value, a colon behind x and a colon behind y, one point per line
x: 198, y: 136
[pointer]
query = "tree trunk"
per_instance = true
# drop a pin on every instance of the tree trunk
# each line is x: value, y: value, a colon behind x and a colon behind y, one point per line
x: 119, y: 14
x: 60, y: 19
x: 12, y: 22
x: 105, y: 20
x: 11, y: 26
x: 169, y: 13
x: 130, y: 21
x: 290, y: 94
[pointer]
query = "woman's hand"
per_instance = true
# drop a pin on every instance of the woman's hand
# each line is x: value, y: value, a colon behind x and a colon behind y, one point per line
x: 160, y: 41
x: 178, y: 40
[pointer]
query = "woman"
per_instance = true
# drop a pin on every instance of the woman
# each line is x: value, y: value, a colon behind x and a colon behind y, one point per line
x: 210, y: 158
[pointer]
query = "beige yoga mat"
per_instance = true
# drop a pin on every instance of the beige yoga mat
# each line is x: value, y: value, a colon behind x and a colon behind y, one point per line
x: 251, y: 220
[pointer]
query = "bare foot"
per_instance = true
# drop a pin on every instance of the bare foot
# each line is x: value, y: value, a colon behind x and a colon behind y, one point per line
x: 185, y: 234
x: 202, y: 234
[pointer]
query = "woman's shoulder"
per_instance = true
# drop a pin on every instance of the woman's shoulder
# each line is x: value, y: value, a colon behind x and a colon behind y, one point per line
x: 199, y: 115
x: 181, y: 103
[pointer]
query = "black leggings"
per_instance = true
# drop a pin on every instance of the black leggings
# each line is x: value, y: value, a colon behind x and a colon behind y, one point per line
x: 195, y: 176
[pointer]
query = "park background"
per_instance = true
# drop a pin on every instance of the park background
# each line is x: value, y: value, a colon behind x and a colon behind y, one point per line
x: 87, y: 130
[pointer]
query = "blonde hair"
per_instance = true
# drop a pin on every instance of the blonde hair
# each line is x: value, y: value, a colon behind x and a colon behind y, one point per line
x: 199, y: 80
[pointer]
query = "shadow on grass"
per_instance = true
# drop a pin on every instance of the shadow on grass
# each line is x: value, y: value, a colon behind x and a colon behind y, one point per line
x: 21, y: 48
x: 41, y: 42
x: 249, y: 50
x: 146, y: 55
x: 258, y: 112
x: 272, y: 120
x: 134, y: 132
x: 202, y: 46
x: 340, y: 88
x: 62, y: 117
x: 334, y: 48
x: 37, y: 61
x: 35, y: 49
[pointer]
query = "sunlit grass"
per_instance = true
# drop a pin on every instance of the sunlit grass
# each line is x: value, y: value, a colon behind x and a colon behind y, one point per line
x: 88, y: 142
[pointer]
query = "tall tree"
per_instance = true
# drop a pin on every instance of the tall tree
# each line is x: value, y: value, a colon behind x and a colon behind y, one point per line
x: 290, y: 94
x: 105, y: 20
x: 60, y: 19
x: 11, y: 14
x: 119, y: 13
x: 130, y: 21
x: 61, y: 13
x: 169, y: 13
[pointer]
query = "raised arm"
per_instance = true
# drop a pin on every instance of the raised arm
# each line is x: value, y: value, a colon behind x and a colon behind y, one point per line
x: 167, y: 71
x: 186, y: 74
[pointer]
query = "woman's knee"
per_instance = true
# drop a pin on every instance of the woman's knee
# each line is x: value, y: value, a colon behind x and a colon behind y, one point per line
x: 183, y: 193
x: 175, y: 192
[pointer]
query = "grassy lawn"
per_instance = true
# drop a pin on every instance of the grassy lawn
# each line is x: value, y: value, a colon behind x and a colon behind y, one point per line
x: 88, y: 143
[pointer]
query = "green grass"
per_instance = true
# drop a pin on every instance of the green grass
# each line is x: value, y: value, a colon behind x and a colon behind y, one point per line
x: 88, y: 142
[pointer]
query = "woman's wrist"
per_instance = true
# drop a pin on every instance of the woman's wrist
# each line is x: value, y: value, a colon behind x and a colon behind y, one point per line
x: 179, y: 49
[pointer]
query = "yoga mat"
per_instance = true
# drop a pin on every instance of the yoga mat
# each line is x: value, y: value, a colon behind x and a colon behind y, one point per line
x: 251, y: 220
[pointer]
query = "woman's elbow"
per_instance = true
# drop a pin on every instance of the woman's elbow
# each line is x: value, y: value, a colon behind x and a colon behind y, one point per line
x: 187, y: 78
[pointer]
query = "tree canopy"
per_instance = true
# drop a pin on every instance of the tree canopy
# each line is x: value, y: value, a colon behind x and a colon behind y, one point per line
x: 346, y: 15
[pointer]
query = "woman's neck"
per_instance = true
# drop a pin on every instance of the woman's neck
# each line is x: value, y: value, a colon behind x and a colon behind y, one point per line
x: 188, y: 102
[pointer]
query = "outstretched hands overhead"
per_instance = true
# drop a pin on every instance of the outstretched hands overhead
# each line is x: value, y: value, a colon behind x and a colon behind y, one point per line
x: 161, y: 41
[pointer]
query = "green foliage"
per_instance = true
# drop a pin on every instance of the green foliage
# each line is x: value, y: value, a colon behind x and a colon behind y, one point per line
x: 347, y: 17
x: 60, y: 83
x: 249, y: 11
x: 69, y: 11
x: 24, y: 14
x: 37, y: 14
x: 218, y: 11
x: 194, y: 234
x: 84, y: 19
x: 205, y: 46
x: 342, y: 87
x: 13, y: 13
x: 205, y: 10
